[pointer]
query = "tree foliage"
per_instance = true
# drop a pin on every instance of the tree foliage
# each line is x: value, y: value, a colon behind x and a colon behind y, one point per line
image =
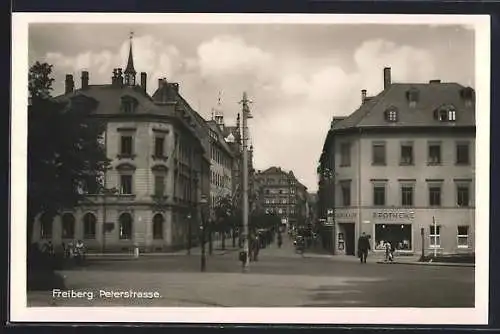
x: 64, y: 151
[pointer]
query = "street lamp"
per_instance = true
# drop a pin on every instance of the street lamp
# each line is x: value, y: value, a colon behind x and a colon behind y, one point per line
x: 203, y: 201
x: 189, y: 234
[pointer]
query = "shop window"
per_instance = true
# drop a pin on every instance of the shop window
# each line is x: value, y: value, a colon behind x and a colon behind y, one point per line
x: 463, y: 236
x: 345, y: 154
x: 398, y: 235
x: 125, y: 222
x: 89, y: 226
x: 158, y: 226
x: 379, y: 195
x: 435, y: 236
x: 68, y: 226
x: 378, y: 154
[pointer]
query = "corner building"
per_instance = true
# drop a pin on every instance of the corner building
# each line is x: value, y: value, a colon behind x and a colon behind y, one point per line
x: 401, y: 168
x: 159, y: 168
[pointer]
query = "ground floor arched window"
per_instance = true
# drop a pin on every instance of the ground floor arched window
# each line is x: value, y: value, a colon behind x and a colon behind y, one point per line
x: 89, y: 226
x: 125, y: 222
x: 46, y: 226
x: 68, y: 226
x: 158, y: 222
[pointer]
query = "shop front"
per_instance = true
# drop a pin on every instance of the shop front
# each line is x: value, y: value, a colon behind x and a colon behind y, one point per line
x: 394, y: 226
x: 345, y: 222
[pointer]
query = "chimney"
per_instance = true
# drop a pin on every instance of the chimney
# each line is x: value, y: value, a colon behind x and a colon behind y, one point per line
x: 363, y: 96
x: 160, y: 83
x: 85, y: 79
x: 69, y: 84
x: 119, y: 76
x: 387, y: 77
x: 144, y: 79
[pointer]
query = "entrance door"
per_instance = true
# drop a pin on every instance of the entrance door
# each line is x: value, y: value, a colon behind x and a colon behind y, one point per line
x: 349, y: 239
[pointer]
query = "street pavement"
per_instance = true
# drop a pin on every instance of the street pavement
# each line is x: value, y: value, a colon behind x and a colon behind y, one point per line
x: 280, y: 278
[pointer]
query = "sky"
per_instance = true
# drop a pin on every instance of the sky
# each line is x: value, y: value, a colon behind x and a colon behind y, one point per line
x: 298, y: 76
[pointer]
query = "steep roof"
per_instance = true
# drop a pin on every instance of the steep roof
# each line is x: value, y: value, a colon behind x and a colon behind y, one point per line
x: 430, y: 97
x: 110, y: 96
x: 220, y: 136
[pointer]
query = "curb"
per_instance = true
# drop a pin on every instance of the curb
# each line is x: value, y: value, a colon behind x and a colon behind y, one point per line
x: 434, y: 264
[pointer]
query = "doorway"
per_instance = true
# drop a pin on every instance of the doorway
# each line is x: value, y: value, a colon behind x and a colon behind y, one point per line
x: 349, y: 238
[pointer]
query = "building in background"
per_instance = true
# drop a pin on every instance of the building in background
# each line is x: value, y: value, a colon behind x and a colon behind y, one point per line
x: 158, y: 146
x: 402, y: 164
x: 282, y: 194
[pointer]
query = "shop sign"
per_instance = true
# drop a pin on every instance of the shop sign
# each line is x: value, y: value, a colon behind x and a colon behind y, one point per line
x: 345, y: 215
x: 390, y: 215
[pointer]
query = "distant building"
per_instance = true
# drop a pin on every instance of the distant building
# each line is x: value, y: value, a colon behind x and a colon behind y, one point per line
x: 159, y: 170
x: 402, y: 163
x: 282, y: 194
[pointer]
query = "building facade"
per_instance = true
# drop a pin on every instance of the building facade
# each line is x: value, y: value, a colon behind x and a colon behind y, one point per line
x: 159, y: 168
x: 282, y: 194
x: 401, y: 169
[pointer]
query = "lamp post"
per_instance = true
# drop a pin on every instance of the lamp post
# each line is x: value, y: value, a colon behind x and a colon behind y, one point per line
x: 203, y: 201
x: 422, y: 235
x: 189, y: 234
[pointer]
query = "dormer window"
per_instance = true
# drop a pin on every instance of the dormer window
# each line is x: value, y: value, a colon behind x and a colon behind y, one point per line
x: 129, y: 105
x: 412, y: 95
x: 445, y: 114
x: 467, y: 94
x: 391, y: 114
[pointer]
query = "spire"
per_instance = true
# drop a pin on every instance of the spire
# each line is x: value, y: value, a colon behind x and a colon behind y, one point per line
x: 129, y: 70
x: 219, y: 117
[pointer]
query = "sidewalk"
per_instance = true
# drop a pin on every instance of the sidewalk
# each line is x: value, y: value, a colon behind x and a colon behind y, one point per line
x: 217, y: 250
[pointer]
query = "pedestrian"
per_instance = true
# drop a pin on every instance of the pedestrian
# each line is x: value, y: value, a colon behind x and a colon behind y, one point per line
x: 363, y: 247
x: 280, y: 240
x: 388, y: 251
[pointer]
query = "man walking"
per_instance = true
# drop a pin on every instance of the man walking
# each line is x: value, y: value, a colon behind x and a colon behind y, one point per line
x: 363, y: 247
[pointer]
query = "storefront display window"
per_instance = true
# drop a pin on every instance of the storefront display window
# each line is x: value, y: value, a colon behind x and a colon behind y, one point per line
x: 399, y: 235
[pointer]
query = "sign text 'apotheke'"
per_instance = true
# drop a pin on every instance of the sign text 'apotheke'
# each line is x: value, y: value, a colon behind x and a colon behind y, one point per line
x: 393, y: 215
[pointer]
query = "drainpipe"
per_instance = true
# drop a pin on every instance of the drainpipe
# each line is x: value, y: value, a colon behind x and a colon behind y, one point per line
x: 360, y: 221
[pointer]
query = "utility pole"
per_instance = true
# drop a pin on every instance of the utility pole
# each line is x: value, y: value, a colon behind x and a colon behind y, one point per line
x: 246, y: 115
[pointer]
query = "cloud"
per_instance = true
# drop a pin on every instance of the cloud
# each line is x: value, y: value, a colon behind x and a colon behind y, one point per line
x: 229, y: 55
x: 151, y: 55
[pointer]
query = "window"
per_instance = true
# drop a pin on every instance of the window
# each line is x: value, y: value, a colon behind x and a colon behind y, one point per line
x: 158, y: 226
x: 399, y: 235
x: 126, y: 184
x: 463, y: 195
x: 435, y: 236
x: 68, y: 226
x: 452, y: 115
x: 407, y: 195
x: 435, y: 195
x: 345, y: 154
x: 463, y: 154
x: 126, y: 145
x: 46, y: 226
x: 159, y: 185
x: 379, y: 195
x: 391, y: 114
x: 378, y: 150
x: 89, y: 226
x: 159, y: 146
x: 128, y: 107
x: 346, y: 193
x: 125, y: 222
x: 463, y: 236
x: 406, y: 154
x: 434, y: 154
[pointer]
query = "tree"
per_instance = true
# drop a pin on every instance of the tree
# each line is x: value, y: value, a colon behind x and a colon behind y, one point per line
x: 224, y: 210
x: 64, y: 152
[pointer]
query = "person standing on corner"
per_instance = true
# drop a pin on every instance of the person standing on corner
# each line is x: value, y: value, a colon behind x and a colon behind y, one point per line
x: 363, y: 247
